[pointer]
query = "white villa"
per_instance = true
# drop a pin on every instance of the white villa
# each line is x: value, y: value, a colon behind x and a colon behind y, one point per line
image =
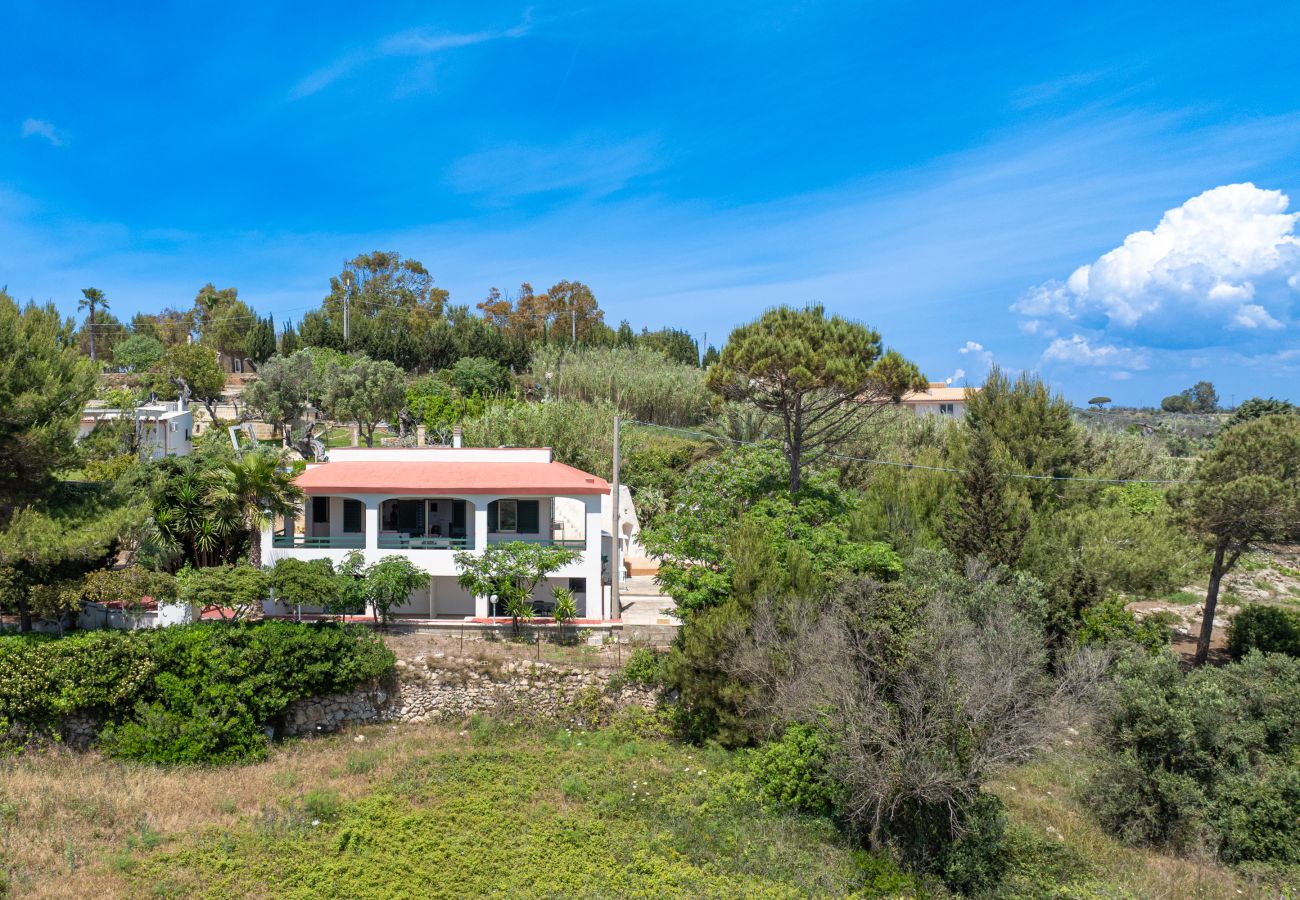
x: 939, y: 399
x: 165, y: 428
x: 426, y: 503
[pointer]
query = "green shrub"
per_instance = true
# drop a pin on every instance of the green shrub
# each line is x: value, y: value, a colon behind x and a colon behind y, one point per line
x: 1271, y: 629
x: 1110, y: 621
x: 791, y: 772
x: 1206, y: 758
x: 186, y: 735
x: 645, y: 666
x: 200, y: 693
x: 974, y: 862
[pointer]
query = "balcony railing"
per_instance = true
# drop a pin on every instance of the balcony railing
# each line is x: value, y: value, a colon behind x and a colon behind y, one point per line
x: 568, y: 543
x: 329, y: 542
x: 407, y: 542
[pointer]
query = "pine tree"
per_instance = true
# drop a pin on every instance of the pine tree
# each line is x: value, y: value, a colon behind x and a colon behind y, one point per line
x: 987, y: 518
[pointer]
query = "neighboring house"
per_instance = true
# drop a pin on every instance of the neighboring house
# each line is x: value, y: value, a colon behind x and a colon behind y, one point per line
x: 426, y: 503
x: 938, y: 399
x: 162, y: 428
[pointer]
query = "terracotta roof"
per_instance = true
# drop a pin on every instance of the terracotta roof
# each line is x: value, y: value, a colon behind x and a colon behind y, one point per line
x: 452, y: 477
x: 938, y: 393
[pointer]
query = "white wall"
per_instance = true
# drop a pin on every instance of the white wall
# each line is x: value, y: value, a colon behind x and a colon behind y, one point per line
x: 441, y: 563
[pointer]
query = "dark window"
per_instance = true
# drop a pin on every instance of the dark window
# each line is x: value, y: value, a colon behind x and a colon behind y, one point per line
x: 354, y: 512
x: 529, y: 516
x: 320, y: 509
x: 508, y: 516
x: 514, y: 516
x: 578, y: 585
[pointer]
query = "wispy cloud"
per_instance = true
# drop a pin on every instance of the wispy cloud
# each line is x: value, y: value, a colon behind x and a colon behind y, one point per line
x: 43, y: 128
x: 415, y: 43
x: 588, y: 165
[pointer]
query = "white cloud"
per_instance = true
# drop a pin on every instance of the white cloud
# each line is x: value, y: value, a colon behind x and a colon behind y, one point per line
x: 44, y: 129
x: 1078, y: 351
x: 980, y: 359
x: 1226, y: 259
x: 408, y: 43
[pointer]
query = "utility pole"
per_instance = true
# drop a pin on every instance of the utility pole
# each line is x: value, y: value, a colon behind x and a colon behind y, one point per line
x: 573, y: 319
x: 347, y: 308
x: 615, y: 563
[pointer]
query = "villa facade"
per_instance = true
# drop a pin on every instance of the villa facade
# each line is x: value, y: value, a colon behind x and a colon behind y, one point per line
x: 427, y: 503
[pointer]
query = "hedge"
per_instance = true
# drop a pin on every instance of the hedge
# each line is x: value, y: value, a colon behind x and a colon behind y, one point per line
x: 201, y: 693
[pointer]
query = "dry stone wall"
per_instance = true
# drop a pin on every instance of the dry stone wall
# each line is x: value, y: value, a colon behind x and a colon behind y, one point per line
x: 441, y: 688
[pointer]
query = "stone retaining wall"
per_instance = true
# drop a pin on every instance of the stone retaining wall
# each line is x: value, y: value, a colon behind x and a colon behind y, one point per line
x: 438, y: 688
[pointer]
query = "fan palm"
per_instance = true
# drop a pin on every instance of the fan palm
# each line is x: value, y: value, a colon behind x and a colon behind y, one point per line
x: 90, y: 299
x: 260, y: 485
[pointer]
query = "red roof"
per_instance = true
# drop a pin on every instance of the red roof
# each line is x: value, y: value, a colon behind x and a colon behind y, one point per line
x: 450, y: 477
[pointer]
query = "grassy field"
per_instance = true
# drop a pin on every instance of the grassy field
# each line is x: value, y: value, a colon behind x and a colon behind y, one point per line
x: 436, y: 811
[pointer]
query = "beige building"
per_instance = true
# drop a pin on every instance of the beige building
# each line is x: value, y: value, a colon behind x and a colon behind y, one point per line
x: 939, y: 399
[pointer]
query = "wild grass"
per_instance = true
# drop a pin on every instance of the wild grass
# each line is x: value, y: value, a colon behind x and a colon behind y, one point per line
x: 423, y: 811
x: 1053, y: 832
x: 488, y: 808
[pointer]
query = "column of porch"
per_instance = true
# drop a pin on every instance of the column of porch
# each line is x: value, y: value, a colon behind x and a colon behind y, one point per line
x: 372, y: 536
x: 480, y: 505
x: 595, y: 601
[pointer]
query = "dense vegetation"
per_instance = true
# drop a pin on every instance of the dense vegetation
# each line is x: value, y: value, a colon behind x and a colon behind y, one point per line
x: 188, y: 694
x: 884, y: 616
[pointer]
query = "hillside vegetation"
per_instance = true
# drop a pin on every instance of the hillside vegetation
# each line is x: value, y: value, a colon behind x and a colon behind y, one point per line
x: 446, y: 811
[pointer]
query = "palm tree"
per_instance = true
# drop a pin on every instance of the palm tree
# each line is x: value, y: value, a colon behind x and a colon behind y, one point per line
x: 187, y: 526
x: 91, y: 298
x: 261, y: 486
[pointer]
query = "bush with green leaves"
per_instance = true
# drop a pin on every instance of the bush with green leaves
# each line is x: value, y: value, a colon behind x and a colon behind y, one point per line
x: 1110, y: 621
x: 645, y: 666
x: 743, y: 491
x: 791, y: 772
x: 198, y: 693
x: 1203, y: 759
x: 1272, y: 629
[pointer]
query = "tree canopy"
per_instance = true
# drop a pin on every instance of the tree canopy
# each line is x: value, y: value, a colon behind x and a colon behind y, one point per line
x: 1245, y: 490
x: 364, y: 391
x: 44, y: 386
x: 820, y: 377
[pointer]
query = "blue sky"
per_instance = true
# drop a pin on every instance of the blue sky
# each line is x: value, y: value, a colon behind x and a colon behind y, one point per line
x: 943, y: 172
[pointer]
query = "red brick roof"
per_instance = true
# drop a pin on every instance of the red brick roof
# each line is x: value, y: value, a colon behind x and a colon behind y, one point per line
x: 450, y: 477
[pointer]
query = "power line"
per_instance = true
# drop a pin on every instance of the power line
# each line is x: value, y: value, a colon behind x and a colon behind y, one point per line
x: 908, y: 465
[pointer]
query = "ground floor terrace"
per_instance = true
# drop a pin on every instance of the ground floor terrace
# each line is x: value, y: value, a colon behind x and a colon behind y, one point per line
x: 445, y: 600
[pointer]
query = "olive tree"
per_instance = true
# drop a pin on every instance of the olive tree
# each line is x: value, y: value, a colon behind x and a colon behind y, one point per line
x: 511, y: 571
x: 389, y: 583
x: 365, y: 391
x: 821, y: 378
x: 279, y: 395
x: 1245, y: 490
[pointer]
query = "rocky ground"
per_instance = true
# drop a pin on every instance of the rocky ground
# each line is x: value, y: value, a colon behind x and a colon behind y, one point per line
x: 1270, y: 575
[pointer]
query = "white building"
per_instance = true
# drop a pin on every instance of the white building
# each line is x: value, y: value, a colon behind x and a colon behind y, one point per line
x: 426, y: 503
x: 165, y: 428
x: 939, y: 399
